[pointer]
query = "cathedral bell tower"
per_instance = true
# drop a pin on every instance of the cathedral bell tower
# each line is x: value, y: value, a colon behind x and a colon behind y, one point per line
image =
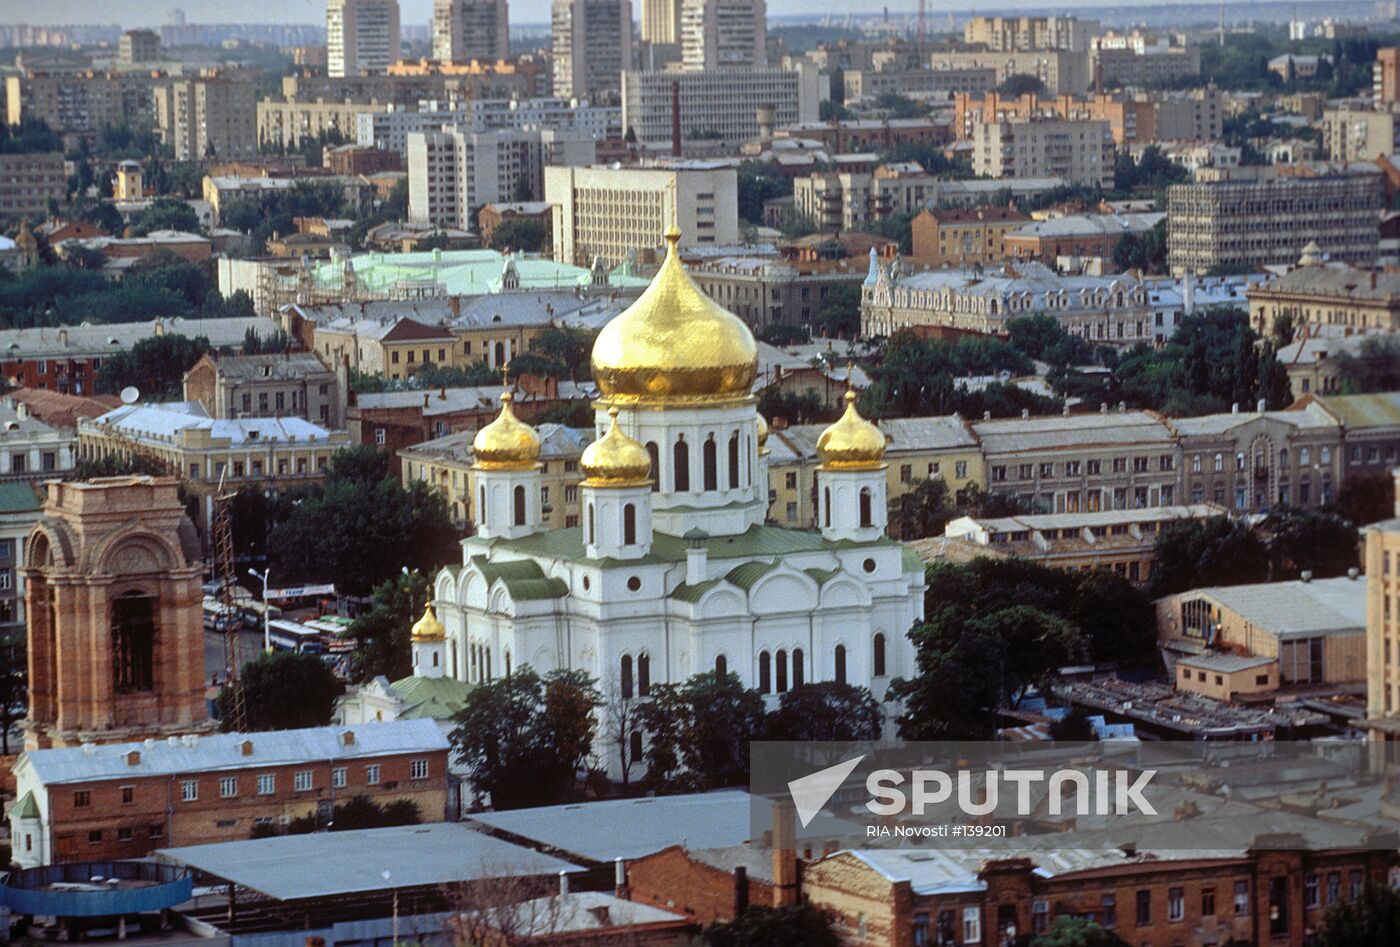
x: 429, y: 645
x: 616, y: 495
x: 506, y: 462
x: 851, y: 488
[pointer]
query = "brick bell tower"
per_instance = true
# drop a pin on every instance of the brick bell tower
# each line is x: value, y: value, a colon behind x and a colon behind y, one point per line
x: 116, y: 632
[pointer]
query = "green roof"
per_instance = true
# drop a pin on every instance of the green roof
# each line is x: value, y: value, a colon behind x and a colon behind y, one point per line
x: 822, y: 576
x: 693, y: 593
x: 27, y: 807
x: 431, y: 698
x: 21, y: 496
x: 462, y: 272
x: 524, y: 578
x: 1363, y: 411
x: 747, y: 574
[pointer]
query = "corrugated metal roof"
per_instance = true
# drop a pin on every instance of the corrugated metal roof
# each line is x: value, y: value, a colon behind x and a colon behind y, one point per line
x: 1364, y: 411
x: 1297, y: 609
x: 1069, y: 432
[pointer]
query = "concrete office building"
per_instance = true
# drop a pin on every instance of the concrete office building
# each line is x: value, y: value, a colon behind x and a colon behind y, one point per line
x: 718, y: 105
x: 138, y: 46
x: 1062, y: 71
x: 592, y: 44
x: 361, y: 36
x: 724, y: 34
x: 611, y: 213
x: 466, y: 30
x: 389, y: 130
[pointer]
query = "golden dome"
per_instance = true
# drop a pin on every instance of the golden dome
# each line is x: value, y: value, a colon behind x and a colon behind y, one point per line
x: 615, y: 460
x: 507, y: 443
x: 674, y: 344
x: 428, y: 628
x: 762, y: 434
x: 852, y: 443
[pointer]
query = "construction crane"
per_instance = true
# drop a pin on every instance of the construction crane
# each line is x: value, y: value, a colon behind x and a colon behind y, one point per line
x: 228, y: 618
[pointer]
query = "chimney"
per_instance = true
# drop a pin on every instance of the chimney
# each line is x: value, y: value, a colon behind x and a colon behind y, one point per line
x: 675, y: 118
x: 1260, y: 406
x: 133, y: 758
x: 347, y: 738
x: 986, y: 415
x: 741, y: 890
x: 63, y: 333
x: 455, y: 303
x: 1065, y: 410
x: 696, y: 561
x: 1103, y: 407
x: 784, y: 853
x: 620, y: 878
x: 563, y: 883
x: 1025, y: 414
x: 1235, y: 408
x: 246, y: 748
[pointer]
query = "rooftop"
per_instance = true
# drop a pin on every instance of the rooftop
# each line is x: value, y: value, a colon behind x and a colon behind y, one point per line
x: 1296, y: 609
x: 556, y: 442
x: 106, y: 338
x: 1068, y: 432
x: 461, y: 272
x: 168, y: 421
x: 1343, y: 282
x: 1362, y: 411
x: 1225, y: 663
x: 281, y: 367
x: 1090, y: 225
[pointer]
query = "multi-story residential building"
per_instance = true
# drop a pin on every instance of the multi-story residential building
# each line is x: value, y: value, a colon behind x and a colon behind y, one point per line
x: 81, y: 103
x: 661, y: 22
x: 1081, y: 236
x: 1370, y: 430
x: 766, y: 291
x: 1082, y: 463
x: 718, y: 105
x: 1063, y: 72
x: 608, y: 213
x: 1301, y: 633
x: 361, y: 36
x: 1008, y: 33
x: 466, y: 30
x: 724, y: 34
x: 452, y: 173
x: 138, y: 46
x: 447, y: 463
x: 31, y: 449
x: 29, y: 181
x: 963, y: 236
x: 1138, y: 119
x: 591, y: 41
x: 21, y: 506
x: 1113, y: 310
x: 1257, y: 460
x: 1359, y: 131
x: 1080, y: 152
x: 1385, y: 75
x: 207, y: 117
x: 219, y: 189
x: 1151, y: 65
x: 916, y: 449
x: 1121, y: 540
x: 284, y: 122
x: 124, y: 800
x: 1233, y: 220
x: 866, y: 134
x: 388, y: 130
x: 356, y: 159
x: 395, y: 347
x: 852, y: 200
x: 268, y: 386
x: 1317, y: 295
x: 867, y: 85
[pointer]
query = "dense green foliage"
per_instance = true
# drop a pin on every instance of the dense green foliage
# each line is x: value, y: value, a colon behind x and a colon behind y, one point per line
x: 826, y: 711
x: 14, y: 684
x: 357, y: 812
x: 283, y: 691
x: 1198, y: 553
x: 381, y: 635
x: 1372, y: 920
x: 801, y: 925
x: 1146, y: 253
x: 759, y: 183
x: 155, y: 365
x: 522, y: 235
x: 165, y: 213
x: 1374, y: 367
x: 275, y: 213
x: 1070, y: 931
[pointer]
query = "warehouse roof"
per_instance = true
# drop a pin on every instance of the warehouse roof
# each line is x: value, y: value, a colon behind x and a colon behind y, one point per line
x: 105, y: 338
x: 1297, y: 609
x: 1071, y: 432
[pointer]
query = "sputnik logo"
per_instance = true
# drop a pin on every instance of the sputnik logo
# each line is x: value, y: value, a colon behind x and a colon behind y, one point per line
x: 813, y: 791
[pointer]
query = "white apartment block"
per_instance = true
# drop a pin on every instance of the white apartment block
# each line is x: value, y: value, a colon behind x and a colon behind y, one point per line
x: 719, y: 104
x: 661, y: 22
x: 453, y: 172
x: 613, y: 212
x: 592, y: 43
x: 212, y: 117
x: 389, y: 130
x: 466, y: 30
x: 361, y: 36
x: 1009, y: 33
x: 724, y: 34
x: 1080, y: 152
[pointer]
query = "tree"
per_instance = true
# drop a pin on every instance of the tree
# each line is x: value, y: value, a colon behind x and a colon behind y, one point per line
x: 1073, y: 727
x: 155, y: 365
x: 712, y: 718
x: 1019, y: 83
x: 1195, y: 553
x: 923, y: 511
x: 826, y: 711
x: 1372, y: 920
x: 524, y: 235
x: 523, y: 738
x: 382, y: 634
x: 1375, y: 366
x: 357, y: 812
x: 283, y: 691
x: 801, y: 925
x: 805, y: 408
x: 757, y: 185
x: 1320, y: 541
x: 1367, y: 498
x: 165, y: 214
x: 14, y: 685
x: 1070, y: 931
x: 839, y: 316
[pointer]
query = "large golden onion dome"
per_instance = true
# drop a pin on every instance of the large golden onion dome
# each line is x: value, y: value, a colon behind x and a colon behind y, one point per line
x: 615, y: 460
x: 674, y: 344
x: 852, y: 443
x: 507, y: 443
x: 762, y: 434
x: 428, y: 628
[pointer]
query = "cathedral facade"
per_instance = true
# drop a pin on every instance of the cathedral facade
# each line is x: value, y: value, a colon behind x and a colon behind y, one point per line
x: 673, y: 571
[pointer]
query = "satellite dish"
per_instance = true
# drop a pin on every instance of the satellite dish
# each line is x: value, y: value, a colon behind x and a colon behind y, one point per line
x: 130, y: 394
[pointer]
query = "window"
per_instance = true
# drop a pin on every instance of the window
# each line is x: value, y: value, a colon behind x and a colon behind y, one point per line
x: 960, y: 469
x: 920, y: 929
x: 1144, y: 908
x: 128, y: 795
x: 866, y: 508
x: 1241, y: 897
x: 418, y: 769
x: 372, y: 774
x: 519, y: 505
x: 710, y: 462
x: 734, y: 461
x: 765, y: 673
x: 1354, y: 884
x: 790, y: 481
x: 1176, y: 904
x: 338, y: 777
x: 1108, y: 912
x: 840, y: 664
x: 629, y: 524
x: 228, y: 787
x: 1334, y: 887
x: 189, y: 790
x: 1310, y: 891
x: 95, y: 837
x: 82, y: 799
x: 879, y: 656
x: 780, y: 664
x: 1208, y: 902
x: 680, y: 458
x: 1040, y: 916
x: 267, y: 784
x: 626, y: 677
x: 972, y: 925
x: 301, y: 782
x: 643, y: 675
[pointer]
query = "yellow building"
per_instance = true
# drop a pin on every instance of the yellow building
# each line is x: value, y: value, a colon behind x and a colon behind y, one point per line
x: 916, y: 449
x: 964, y: 236
x: 447, y: 463
x: 1383, y: 633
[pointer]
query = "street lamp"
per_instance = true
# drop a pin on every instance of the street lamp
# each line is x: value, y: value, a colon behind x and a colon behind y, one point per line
x: 267, y: 633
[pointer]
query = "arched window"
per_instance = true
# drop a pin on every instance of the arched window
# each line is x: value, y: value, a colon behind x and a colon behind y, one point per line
x: 826, y: 506
x: 681, y: 462
x: 878, y: 661
x: 592, y: 527
x: 643, y: 675
x: 626, y: 677
x: 799, y: 673
x: 507, y: 657
x: 734, y: 461
x: 481, y: 505
x: 500, y: 355
x: 435, y: 659
x: 865, y: 512
x: 711, y: 463
x: 655, y: 466
x: 782, y: 672
x: 765, y: 673
x: 488, y: 664
x: 634, y: 747
x: 629, y: 524
x: 721, y: 665
x: 840, y: 664
x: 519, y: 506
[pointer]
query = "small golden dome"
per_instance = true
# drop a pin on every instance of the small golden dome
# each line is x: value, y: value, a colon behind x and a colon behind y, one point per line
x: 507, y: 443
x: 852, y: 443
x: 428, y: 628
x: 674, y: 344
x: 615, y: 460
x: 762, y: 434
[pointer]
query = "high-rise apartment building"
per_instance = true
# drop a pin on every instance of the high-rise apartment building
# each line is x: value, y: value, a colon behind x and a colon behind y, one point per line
x: 210, y: 117
x: 724, y: 34
x: 361, y: 36
x: 718, y: 104
x: 1385, y: 75
x: 464, y: 30
x: 1020, y: 33
x: 592, y: 44
x: 138, y: 46
x: 661, y: 21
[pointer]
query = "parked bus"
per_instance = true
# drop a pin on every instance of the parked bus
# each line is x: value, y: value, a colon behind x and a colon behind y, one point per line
x: 334, y: 633
x: 288, y: 635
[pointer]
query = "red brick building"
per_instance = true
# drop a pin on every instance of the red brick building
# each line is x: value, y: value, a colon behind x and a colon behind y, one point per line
x: 708, y: 885
x: 124, y: 800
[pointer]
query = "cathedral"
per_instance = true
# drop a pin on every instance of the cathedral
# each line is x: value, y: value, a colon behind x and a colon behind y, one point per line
x: 673, y: 571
